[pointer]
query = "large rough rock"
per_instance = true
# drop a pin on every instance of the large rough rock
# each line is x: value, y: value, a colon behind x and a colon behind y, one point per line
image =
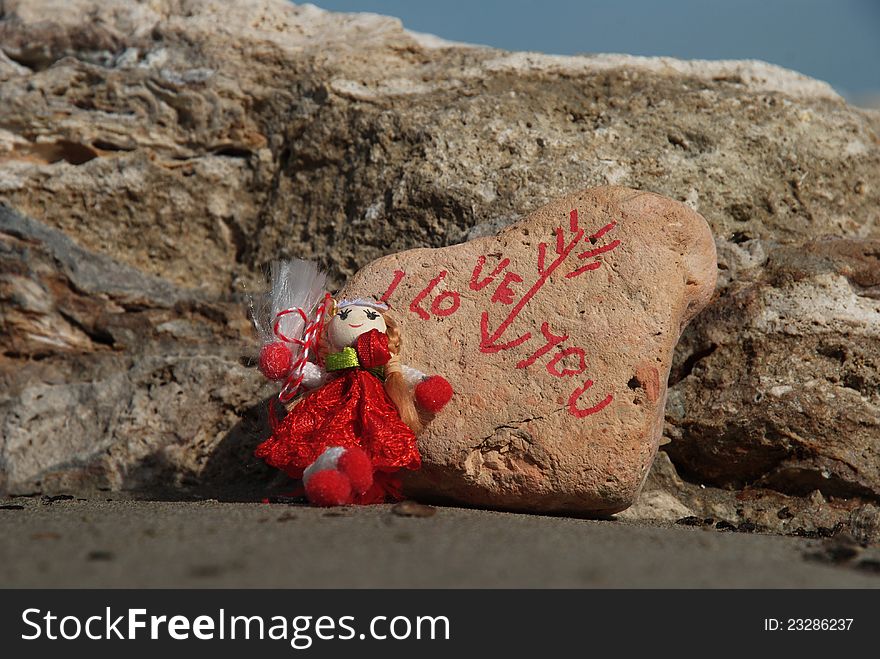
x: 801, y: 409
x: 557, y: 336
x: 112, y: 378
x: 191, y: 141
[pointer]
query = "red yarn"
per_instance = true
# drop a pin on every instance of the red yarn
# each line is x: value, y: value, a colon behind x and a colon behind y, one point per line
x: 356, y: 465
x: 433, y: 394
x: 275, y: 360
x: 329, y: 488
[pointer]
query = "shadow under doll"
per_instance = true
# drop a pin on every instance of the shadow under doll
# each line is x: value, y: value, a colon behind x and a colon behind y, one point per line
x: 230, y: 473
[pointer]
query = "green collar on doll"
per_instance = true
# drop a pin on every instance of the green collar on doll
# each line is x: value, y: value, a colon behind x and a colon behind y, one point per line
x: 347, y: 358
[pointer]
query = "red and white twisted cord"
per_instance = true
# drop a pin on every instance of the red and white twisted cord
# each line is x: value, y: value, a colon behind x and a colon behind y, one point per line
x: 311, y: 333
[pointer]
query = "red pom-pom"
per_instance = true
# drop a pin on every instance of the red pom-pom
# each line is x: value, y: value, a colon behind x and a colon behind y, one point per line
x: 329, y: 488
x: 275, y: 360
x: 372, y: 349
x: 433, y: 394
x: 357, y: 465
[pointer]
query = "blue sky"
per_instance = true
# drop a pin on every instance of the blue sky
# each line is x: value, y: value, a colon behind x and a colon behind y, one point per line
x: 834, y: 40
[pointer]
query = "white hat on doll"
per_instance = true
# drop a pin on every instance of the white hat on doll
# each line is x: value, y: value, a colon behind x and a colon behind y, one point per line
x: 362, y: 302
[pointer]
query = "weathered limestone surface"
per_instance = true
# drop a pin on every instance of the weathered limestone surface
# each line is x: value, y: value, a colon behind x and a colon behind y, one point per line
x: 179, y: 145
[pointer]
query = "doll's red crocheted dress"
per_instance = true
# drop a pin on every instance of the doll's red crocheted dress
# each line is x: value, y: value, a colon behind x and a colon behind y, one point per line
x: 351, y: 410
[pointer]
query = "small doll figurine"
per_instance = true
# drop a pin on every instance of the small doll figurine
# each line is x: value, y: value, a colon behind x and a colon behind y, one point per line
x: 356, y: 423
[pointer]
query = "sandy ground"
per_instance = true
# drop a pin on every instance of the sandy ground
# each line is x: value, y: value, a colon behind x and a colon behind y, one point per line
x: 100, y: 542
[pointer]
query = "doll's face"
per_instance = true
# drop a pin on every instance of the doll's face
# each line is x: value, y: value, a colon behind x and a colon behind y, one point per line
x: 350, y: 322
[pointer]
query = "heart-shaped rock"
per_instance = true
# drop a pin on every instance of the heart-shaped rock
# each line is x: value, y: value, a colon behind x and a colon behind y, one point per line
x: 557, y: 336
